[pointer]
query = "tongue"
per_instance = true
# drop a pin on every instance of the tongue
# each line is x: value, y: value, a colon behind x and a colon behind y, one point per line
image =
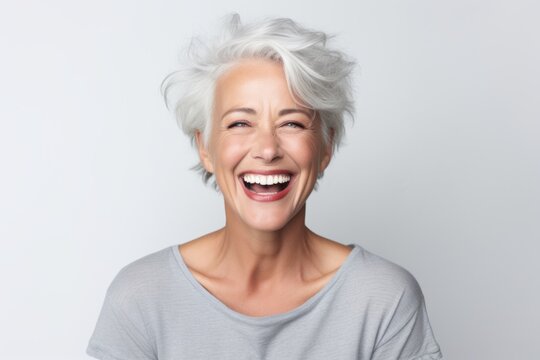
x: 265, y: 188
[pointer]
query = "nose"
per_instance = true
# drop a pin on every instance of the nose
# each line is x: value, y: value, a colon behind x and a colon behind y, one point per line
x: 266, y: 146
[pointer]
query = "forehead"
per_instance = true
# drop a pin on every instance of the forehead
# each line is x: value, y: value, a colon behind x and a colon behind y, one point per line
x: 253, y: 82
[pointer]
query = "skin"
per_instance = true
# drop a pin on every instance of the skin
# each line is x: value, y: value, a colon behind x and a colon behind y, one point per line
x: 264, y: 261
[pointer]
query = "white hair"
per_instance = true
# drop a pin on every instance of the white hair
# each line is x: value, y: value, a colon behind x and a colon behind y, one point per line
x: 316, y: 74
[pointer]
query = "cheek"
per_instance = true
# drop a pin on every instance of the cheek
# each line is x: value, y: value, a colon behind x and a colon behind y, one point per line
x: 229, y: 151
x: 303, y: 149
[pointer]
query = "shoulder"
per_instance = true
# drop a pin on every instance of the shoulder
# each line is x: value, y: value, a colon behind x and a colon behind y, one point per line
x: 384, y: 282
x: 143, y: 275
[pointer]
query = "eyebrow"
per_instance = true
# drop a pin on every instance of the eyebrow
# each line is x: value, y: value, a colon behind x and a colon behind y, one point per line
x: 281, y: 112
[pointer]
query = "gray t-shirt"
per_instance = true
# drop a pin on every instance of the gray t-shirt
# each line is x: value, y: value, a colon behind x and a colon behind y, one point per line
x: 371, y: 309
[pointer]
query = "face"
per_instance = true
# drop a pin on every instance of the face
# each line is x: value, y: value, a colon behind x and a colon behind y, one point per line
x: 265, y: 149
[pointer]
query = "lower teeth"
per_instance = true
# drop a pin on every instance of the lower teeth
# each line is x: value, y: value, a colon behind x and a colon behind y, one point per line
x: 263, y: 188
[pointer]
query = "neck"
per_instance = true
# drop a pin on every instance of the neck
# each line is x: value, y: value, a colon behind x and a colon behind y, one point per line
x: 263, y: 259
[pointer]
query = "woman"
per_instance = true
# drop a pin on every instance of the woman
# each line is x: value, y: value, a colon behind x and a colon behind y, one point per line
x: 265, y: 107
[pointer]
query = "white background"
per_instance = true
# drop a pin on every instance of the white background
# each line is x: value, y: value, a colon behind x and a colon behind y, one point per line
x: 440, y: 172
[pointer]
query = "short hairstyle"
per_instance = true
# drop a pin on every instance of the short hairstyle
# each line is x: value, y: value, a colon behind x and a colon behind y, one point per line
x: 316, y: 74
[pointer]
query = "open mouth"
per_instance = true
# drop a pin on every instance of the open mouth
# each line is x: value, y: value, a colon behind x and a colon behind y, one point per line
x: 266, y: 184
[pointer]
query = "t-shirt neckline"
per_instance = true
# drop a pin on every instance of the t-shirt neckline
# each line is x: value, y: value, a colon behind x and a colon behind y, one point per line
x: 269, y: 319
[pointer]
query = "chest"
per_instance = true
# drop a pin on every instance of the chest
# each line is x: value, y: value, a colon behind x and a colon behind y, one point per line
x: 262, y: 302
x: 317, y: 335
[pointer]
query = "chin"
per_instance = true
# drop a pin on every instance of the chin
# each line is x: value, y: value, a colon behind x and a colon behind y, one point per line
x: 267, y: 222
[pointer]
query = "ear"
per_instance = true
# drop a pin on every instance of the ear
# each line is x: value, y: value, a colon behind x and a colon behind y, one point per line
x: 204, y: 155
x: 327, y: 152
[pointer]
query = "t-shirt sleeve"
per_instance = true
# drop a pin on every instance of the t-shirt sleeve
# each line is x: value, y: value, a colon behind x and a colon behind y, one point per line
x: 120, y: 332
x: 407, y: 334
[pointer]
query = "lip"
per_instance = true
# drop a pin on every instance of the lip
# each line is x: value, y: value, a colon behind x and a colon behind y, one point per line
x: 266, y: 172
x: 267, y: 197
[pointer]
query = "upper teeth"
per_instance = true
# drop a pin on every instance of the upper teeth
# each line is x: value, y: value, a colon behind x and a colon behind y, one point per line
x: 266, y: 179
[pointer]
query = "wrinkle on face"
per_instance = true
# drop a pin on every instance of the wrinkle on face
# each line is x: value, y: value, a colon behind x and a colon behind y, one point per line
x: 259, y: 125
